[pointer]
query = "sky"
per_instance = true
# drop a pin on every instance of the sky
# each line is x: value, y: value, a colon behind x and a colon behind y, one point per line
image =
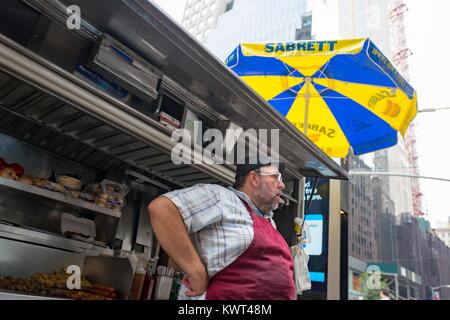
x: 427, y: 28
x: 426, y: 33
x: 173, y: 8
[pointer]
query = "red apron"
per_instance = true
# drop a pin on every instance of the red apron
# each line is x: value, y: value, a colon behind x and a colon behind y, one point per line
x: 263, y: 272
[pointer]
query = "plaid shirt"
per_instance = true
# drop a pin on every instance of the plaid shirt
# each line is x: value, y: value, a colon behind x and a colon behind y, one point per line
x: 218, y: 222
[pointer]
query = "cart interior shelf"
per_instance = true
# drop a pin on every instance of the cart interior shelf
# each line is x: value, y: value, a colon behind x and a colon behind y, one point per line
x: 11, y: 185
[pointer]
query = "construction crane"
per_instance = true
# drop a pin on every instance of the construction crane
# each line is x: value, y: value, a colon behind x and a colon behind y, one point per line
x: 400, y: 60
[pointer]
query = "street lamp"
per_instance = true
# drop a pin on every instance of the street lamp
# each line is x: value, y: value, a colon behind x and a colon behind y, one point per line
x: 433, y: 289
x: 394, y: 174
x: 398, y: 174
x: 432, y: 109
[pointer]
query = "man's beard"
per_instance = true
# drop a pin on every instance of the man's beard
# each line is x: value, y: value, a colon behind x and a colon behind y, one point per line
x: 265, y: 200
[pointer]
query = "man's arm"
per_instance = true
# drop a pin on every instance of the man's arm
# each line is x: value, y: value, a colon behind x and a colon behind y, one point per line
x: 171, y: 232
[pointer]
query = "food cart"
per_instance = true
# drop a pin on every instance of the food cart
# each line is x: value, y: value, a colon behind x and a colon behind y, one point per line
x: 86, y: 118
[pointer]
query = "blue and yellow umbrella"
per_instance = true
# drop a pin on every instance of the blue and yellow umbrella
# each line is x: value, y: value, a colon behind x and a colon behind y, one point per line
x: 339, y: 93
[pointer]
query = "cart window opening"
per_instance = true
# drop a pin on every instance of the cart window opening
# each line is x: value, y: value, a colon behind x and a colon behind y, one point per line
x: 172, y: 107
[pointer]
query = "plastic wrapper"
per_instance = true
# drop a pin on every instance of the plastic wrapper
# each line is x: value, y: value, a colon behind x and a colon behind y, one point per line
x: 115, y: 189
x: 301, y: 272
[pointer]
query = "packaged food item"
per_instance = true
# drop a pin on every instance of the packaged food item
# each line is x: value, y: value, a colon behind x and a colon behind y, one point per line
x: 101, y: 202
x: 26, y: 179
x: 168, y: 121
x: 53, y: 186
x: 8, y: 173
x: 112, y: 188
x: 112, y: 195
x: 87, y: 196
x: 69, y: 182
x: 39, y: 182
x: 18, y: 169
x: 73, y: 193
x: 3, y: 163
x: 94, y: 188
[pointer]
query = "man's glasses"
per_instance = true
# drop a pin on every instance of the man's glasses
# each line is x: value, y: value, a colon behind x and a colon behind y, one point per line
x: 277, y: 174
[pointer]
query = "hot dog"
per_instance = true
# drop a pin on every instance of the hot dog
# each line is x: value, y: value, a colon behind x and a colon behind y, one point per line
x: 107, y: 294
x: 102, y: 287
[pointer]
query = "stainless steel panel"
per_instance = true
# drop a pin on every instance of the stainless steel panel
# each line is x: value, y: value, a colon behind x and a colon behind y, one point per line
x: 56, y: 117
x: 57, y: 11
x: 206, y: 181
x: 7, y: 295
x: 112, y: 139
x: 4, y: 80
x: 23, y: 259
x: 96, y: 158
x: 155, y: 160
x: 39, y: 237
x: 125, y: 147
x: 113, y: 271
x: 76, y: 123
x: 179, y: 174
x: 140, y: 178
x: 137, y: 153
x: 95, y: 132
x: 72, y: 148
x: 37, y: 162
x: 179, y: 171
x: 85, y: 153
x: 144, y: 235
x: 164, y: 166
x: 20, y: 92
x: 45, y: 105
x: 142, y: 82
x: 125, y: 227
x: 172, y: 88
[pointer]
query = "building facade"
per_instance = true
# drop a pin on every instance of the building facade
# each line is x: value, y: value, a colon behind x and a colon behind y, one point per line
x: 200, y: 16
x: 385, y: 222
x: 425, y: 255
x: 259, y: 21
x: 443, y: 232
x: 363, y: 220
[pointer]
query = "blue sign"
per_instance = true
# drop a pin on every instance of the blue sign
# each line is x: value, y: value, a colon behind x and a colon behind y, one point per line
x: 316, y: 220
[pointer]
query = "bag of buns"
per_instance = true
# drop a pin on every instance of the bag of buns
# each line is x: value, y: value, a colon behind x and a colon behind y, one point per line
x: 8, y: 173
x: 26, y: 179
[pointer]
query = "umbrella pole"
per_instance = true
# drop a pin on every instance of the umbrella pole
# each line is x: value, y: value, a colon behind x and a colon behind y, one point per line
x: 307, y: 96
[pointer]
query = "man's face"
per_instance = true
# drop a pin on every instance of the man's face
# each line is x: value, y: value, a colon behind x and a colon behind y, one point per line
x: 269, y: 187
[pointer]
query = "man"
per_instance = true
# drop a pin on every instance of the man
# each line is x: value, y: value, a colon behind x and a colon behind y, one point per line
x: 224, y: 238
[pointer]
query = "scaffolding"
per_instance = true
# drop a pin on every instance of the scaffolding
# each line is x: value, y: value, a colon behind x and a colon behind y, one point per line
x: 400, y: 60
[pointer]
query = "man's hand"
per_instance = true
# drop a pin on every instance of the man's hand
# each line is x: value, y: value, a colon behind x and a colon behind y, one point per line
x: 196, y: 284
